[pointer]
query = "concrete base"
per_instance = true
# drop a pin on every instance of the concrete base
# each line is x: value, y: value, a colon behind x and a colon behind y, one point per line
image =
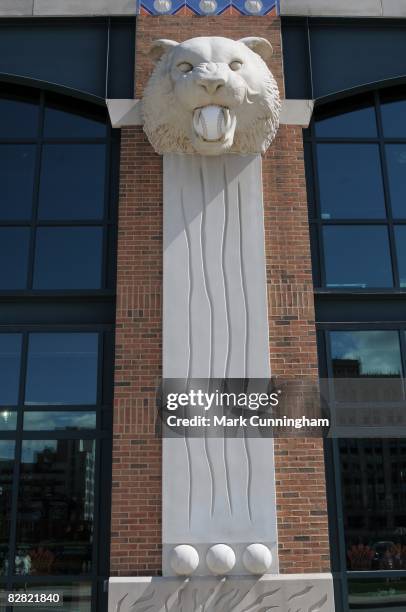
x: 295, y: 592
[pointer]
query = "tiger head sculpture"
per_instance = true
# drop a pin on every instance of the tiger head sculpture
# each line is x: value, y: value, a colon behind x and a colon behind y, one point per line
x: 211, y: 95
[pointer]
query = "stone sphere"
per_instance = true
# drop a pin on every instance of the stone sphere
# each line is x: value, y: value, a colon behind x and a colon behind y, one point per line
x: 220, y: 559
x: 162, y: 6
x: 257, y: 559
x: 253, y: 6
x: 184, y: 560
x: 208, y: 6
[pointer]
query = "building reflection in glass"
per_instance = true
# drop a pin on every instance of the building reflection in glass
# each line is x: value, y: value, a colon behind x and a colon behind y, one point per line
x: 55, y: 507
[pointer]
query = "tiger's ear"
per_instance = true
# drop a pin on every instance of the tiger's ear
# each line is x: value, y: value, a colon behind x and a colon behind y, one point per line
x: 261, y: 46
x: 160, y: 47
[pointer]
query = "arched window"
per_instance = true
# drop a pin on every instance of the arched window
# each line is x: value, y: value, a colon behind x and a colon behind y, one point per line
x: 356, y: 173
x: 58, y: 169
x: 356, y: 152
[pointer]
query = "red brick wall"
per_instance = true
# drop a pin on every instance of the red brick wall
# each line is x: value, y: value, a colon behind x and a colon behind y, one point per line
x: 300, y: 476
x: 136, y: 512
x: 136, y: 504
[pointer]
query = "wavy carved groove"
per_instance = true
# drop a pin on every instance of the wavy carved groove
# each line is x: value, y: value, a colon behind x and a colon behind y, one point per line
x: 318, y: 605
x: 246, y: 341
x: 209, y: 295
x: 305, y: 591
x: 259, y: 600
x: 226, y: 204
x: 190, y: 358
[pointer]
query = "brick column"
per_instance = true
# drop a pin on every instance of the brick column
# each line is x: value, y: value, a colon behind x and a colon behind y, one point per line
x: 301, y: 496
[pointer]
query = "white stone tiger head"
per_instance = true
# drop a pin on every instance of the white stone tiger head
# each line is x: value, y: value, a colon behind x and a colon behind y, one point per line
x: 211, y: 95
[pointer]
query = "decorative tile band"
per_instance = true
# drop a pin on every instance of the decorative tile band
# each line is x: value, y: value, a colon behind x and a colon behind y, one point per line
x: 207, y: 7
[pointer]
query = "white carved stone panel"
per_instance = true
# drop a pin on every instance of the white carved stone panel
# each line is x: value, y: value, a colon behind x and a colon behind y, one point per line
x: 289, y: 593
x: 215, y: 324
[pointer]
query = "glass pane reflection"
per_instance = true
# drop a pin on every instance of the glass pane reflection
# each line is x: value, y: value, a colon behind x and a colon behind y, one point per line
x: 396, y: 160
x: 373, y: 474
x: 357, y: 256
x: 17, y: 165
x: 400, y: 236
x: 76, y: 596
x: 6, y: 479
x: 350, y: 181
x: 58, y: 420
x: 366, y: 353
x: 393, y: 110
x: 80, y: 168
x: 14, y: 246
x: 352, y: 122
x: 56, y: 507
x: 8, y: 420
x: 63, y: 123
x: 19, y: 118
x: 10, y: 362
x: 359, y: 356
x: 62, y: 369
x: 379, y: 595
x: 68, y: 258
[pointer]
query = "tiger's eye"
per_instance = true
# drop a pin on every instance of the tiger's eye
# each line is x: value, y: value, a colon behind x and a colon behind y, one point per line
x: 236, y: 65
x: 185, y: 67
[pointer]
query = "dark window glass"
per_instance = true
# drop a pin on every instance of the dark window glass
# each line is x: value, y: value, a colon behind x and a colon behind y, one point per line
x: 56, y: 507
x: 53, y: 421
x: 63, y: 123
x: 350, y: 181
x: 393, y: 110
x: 19, y: 118
x: 352, y: 122
x: 357, y: 256
x: 400, y: 235
x: 14, y: 248
x: 72, y: 181
x: 17, y: 165
x: 396, y: 159
x: 10, y: 362
x: 62, y: 369
x: 6, y: 479
x: 68, y: 258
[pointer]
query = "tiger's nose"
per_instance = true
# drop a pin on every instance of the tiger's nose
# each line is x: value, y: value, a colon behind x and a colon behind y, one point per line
x: 211, y: 84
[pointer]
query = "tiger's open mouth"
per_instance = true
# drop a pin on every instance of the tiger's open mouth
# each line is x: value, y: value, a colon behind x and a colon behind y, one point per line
x: 213, y: 129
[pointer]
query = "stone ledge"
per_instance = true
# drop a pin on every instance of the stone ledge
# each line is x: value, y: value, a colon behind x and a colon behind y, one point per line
x: 129, y: 112
x: 67, y: 8
x: 343, y: 8
x: 235, y: 594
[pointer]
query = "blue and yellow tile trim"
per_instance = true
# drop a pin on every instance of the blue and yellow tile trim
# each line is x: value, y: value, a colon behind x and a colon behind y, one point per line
x: 207, y: 7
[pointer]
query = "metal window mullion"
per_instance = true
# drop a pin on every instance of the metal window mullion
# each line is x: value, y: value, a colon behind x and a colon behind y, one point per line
x: 105, y: 238
x: 31, y: 260
x: 18, y: 452
x: 340, y: 524
x: 386, y: 189
x: 322, y: 281
x: 97, y: 509
x: 402, y: 340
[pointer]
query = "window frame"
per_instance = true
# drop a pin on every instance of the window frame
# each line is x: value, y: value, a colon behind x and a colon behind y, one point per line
x: 109, y: 220
x: 79, y: 310
x: 335, y: 498
x: 316, y: 222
